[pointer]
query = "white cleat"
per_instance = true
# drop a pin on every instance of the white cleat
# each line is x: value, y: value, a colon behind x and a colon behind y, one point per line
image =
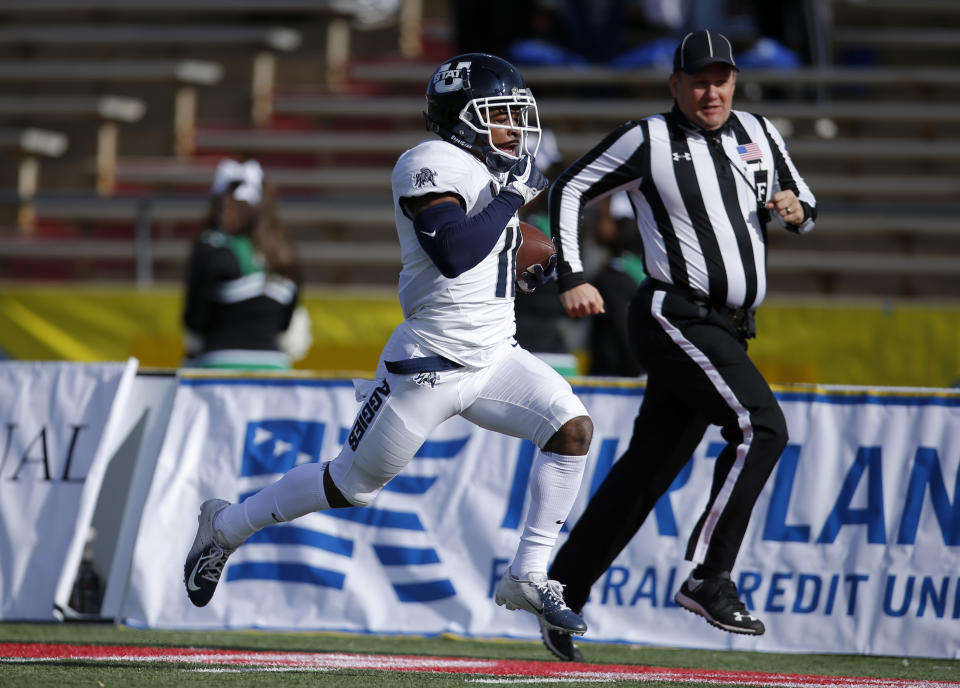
x: 206, y: 559
x: 541, y: 597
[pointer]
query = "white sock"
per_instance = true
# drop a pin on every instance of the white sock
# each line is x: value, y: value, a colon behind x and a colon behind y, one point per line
x: 298, y: 492
x: 554, y: 484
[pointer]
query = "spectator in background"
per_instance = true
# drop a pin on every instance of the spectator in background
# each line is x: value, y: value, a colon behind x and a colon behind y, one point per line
x: 618, y: 279
x: 542, y: 328
x: 243, y: 278
x: 481, y: 26
x: 593, y: 28
x: 799, y: 26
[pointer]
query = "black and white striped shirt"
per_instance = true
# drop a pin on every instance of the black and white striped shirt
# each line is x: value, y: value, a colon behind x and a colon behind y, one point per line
x: 698, y: 197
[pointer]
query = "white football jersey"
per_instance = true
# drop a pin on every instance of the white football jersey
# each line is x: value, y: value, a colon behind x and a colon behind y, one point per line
x: 464, y: 318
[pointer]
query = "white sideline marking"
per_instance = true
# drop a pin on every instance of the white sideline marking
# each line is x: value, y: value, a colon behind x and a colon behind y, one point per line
x: 484, y: 670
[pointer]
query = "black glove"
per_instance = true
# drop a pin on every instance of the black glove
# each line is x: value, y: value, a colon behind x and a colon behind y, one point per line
x: 536, y: 274
x: 525, y: 179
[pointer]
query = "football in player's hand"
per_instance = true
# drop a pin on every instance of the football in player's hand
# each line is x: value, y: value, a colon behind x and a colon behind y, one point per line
x: 536, y: 248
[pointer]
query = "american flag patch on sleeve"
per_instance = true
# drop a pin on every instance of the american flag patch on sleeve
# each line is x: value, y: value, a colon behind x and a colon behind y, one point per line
x: 750, y: 152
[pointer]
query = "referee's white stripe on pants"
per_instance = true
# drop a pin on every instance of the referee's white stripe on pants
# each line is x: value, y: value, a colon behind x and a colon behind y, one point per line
x: 743, y: 420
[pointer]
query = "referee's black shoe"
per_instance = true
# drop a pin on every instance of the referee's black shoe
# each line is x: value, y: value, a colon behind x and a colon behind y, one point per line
x: 560, y: 644
x: 715, y: 599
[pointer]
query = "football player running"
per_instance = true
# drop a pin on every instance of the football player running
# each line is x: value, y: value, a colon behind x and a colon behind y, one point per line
x: 456, y: 199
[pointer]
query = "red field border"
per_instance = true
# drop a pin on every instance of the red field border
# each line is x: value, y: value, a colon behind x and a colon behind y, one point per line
x: 227, y: 660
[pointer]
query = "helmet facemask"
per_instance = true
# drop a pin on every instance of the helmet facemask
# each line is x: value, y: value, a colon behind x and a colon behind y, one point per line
x: 521, y: 115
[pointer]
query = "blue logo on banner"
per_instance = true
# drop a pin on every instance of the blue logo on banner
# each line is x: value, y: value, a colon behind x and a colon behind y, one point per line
x: 273, y: 447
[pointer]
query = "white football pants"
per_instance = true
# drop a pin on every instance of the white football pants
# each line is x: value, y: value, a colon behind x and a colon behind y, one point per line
x: 517, y: 395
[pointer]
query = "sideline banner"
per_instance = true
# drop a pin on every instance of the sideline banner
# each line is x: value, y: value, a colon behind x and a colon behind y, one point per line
x: 854, y: 545
x: 59, y: 428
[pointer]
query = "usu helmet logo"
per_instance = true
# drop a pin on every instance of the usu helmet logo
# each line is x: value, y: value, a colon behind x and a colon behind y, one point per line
x: 447, y: 80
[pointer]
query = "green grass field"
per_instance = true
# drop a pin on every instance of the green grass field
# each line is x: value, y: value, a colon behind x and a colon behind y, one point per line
x: 106, y: 672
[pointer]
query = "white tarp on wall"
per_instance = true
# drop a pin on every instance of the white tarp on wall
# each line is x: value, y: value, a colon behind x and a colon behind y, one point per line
x: 59, y: 427
x: 854, y: 545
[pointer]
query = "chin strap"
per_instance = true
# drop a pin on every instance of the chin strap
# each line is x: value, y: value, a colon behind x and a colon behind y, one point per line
x: 493, y: 160
x: 497, y: 163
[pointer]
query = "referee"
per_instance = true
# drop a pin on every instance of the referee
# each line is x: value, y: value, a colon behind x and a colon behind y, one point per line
x: 704, y: 180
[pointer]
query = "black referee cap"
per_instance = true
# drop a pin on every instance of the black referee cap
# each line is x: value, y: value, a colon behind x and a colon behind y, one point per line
x: 701, y: 48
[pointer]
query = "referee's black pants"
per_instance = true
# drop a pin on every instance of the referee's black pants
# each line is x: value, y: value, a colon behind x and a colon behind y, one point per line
x: 698, y: 374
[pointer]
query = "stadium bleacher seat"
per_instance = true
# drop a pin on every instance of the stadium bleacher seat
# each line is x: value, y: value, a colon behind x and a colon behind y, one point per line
x: 25, y: 146
x: 181, y: 76
x: 873, y: 134
x: 334, y: 23
x: 106, y: 112
x: 261, y: 42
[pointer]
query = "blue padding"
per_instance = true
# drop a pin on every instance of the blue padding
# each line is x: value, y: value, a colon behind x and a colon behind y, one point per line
x: 295, y: 535
x: 656, y: 53
x: 381, y: 518
x: 424, y: 592
x: 767, y: 53
x: 534, y: 51
x: 605, y: 460
x: 395, y: 555
x: 441, y: 449
x: 518, y: 487
x: 285, y: 572
x: 410, y: 484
